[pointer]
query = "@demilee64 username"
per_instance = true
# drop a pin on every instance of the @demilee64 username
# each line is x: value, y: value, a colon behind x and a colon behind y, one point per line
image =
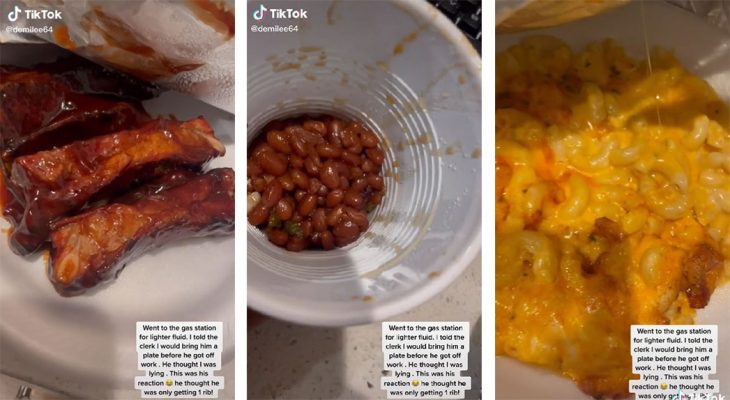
x: 275, y: 29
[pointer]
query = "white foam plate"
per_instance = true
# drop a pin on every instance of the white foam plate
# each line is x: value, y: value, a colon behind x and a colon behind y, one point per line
x: 705, y: 51
x: 85, y: 346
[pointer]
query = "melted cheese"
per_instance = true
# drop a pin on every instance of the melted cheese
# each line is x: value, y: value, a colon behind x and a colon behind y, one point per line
x: 609, y: 179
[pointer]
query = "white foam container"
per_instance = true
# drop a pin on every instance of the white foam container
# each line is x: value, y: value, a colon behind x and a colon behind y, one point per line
x: 407, y: 72
x: 705, y: 51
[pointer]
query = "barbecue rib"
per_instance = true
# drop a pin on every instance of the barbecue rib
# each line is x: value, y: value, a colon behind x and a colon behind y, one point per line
x: 55, y: 182
x: 85, y: 76
x: 77, y: 125
x: 93, y: 247
x: 167, y: 180
x: 65, y: 100
x: 57, y: 103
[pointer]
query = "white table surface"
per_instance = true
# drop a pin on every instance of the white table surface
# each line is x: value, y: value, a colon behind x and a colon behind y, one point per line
x: 287, y: 361
x: 9, y: 387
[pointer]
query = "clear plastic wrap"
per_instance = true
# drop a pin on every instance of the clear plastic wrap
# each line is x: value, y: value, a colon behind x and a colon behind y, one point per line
x: 520, y: 15
x: 182, y: 45
x: 716, y: 12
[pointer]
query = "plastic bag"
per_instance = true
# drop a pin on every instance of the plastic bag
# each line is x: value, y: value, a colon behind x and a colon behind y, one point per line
x: 182, y: 45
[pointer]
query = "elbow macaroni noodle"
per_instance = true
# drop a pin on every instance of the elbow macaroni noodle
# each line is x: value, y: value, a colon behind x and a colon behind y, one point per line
x: 613, y: 204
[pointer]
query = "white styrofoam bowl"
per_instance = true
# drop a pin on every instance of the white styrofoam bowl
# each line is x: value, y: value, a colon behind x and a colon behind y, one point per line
x: 407, y: 72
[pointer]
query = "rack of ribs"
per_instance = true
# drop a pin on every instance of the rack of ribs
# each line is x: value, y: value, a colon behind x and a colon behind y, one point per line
x: 57, y: 103
x: 50, y: 184
x: 93, y: 247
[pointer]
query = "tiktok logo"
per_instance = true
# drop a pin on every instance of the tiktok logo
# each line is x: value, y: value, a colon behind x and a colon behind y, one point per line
x: 258, y: 15
x: 13, y: 15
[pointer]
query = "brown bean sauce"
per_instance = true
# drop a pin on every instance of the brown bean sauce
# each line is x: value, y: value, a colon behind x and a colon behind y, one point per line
x: 318, y: 178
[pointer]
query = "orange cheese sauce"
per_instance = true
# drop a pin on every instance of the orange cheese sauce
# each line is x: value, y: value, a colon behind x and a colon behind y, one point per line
x: 612, y: 204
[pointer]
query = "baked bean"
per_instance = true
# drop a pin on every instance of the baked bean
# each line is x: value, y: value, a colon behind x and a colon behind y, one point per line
x: 312, y: 149
x: 342, y: 168
x: 368, y: 139
x: 323, y: 191
x: 312, y: 136
x: 258, y: 215
x: 272, y: 163
x: 296, y: 244
x: 253, y: 168
x: 284, y: 209
x: 346, y: 230
x: 354, y: 199
x: 333, y: 216
x: 375, y: 181
x: 307, y: 204
x: 356, y: 172
x: 344, y: 183
x: 349, y: 138
x: 376, y: 198
x: 307, y: 228
x: 300, y: 179
x: 314, y: 186
x: 359, y: 184
x: 272, y: 194
x: 315, y: 126
x: 311, y: 164
x: 352, y: 159
x: 287, y: 182
x: 259, y: 184
x: 319, y: 223
x: 328, y: 241
x: 356, y: 149
x: 316, y: 239
x: 376, y: 155
x: 334, y: 198
x: 296, y: 162
x: 329, y: 175
x: 262, y: 148
x: 335, y: 127
x: 299, y: 146
x: 358, y: 217
x: 368, y: 166
x: 303, y: 134
x: 335, y: 140
x: 355, y: 145
x: 318, y: 179
x: 277, y: 140
x: 328, y: 150
x: 277, y: 237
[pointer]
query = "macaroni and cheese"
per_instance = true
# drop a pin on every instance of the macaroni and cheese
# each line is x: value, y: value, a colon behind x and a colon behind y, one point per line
x: 612, y: 204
